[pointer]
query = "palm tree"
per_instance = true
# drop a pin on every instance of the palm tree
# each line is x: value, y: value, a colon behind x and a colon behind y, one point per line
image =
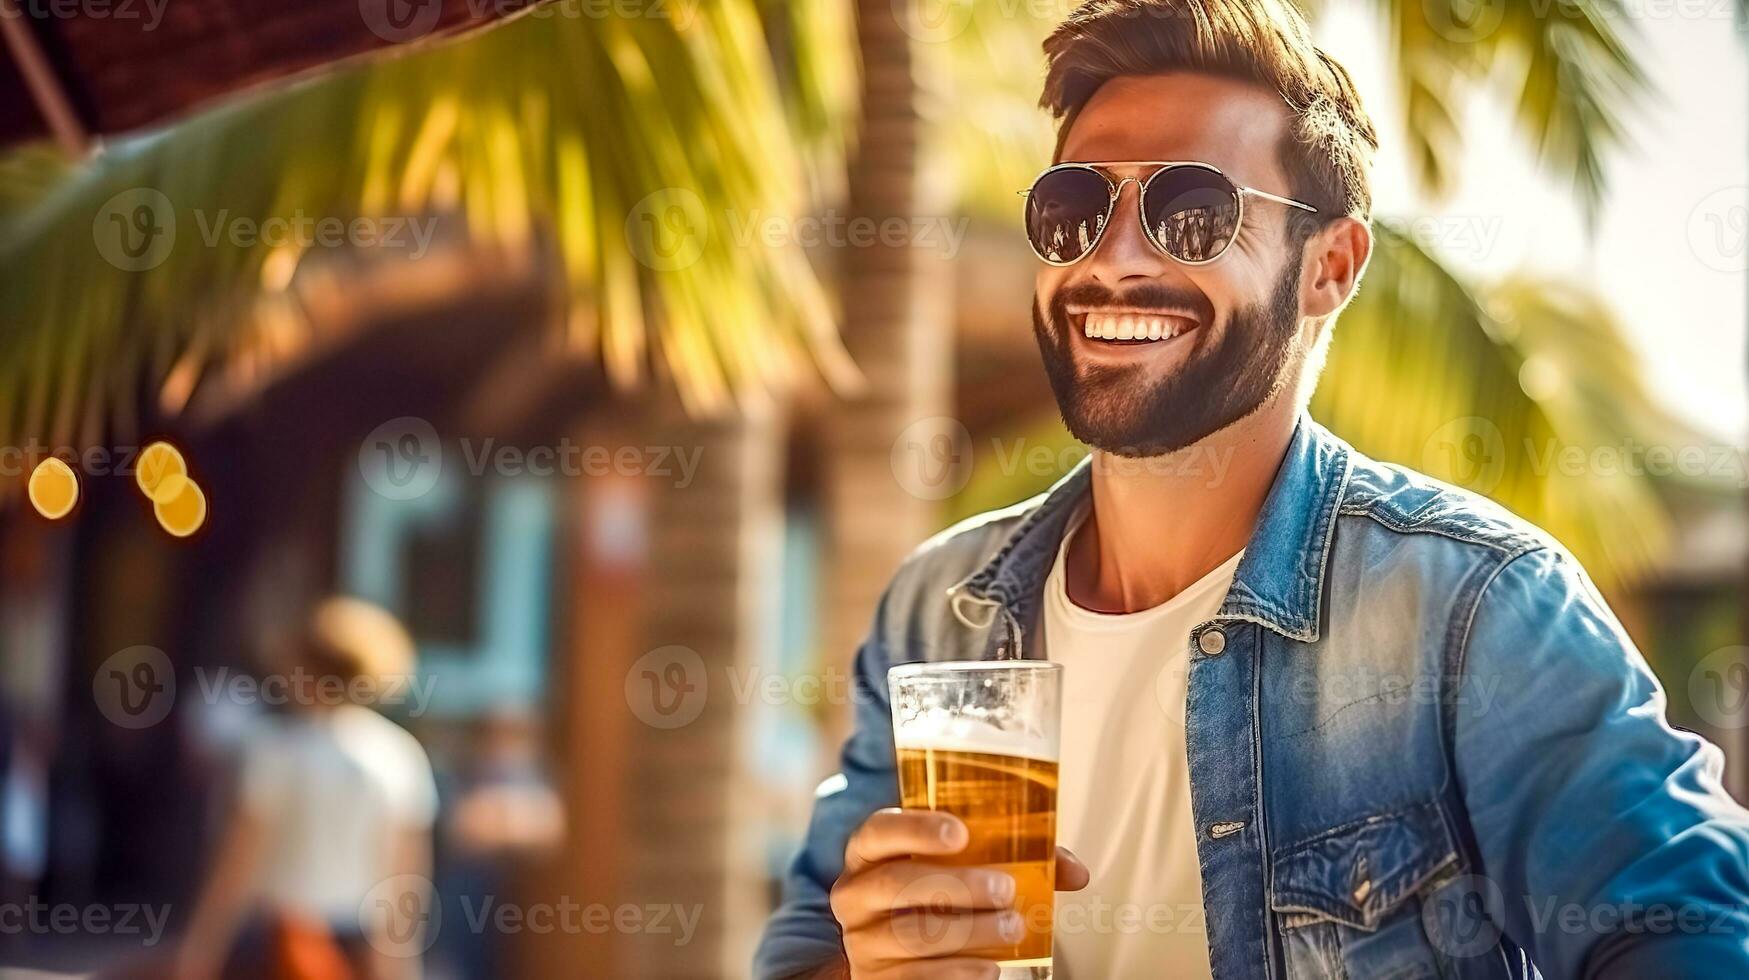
x: 897, y: 326
x: 564, y: 125
x: 640, y: 144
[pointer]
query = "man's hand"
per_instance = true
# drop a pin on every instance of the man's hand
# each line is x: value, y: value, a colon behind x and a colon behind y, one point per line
x: 904, y: 916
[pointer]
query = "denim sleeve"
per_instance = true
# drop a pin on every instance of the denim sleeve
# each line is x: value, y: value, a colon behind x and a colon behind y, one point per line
x: 802, y: 935
x: 1614, y: 847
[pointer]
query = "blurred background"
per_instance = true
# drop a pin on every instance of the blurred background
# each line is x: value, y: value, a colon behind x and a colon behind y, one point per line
x: 622, y: 348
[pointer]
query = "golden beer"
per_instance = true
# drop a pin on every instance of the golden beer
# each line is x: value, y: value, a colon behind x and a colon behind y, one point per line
x: 1009, y: 805
x: 979, y: 739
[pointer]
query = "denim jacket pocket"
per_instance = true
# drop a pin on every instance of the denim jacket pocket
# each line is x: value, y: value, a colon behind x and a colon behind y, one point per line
x: 1347, y: 900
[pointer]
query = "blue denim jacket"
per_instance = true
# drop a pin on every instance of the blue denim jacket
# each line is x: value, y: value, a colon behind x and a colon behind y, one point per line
x: 1420, y: 744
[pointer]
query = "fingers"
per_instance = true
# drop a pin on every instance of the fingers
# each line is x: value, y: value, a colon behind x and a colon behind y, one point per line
x: 906, y: 916
x: 901, y: 886
x: 957, y: 968
x: 933, y: 935
x: 1072, y: 875
x: 894, y: 833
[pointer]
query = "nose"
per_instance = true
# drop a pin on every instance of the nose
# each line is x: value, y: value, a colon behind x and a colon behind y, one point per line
x: 1124, y: 252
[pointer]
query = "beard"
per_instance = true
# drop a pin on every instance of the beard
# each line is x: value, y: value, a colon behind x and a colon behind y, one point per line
x: 1224, y: 377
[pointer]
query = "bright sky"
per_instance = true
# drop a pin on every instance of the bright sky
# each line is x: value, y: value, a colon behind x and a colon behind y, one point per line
x: 1672, y: 246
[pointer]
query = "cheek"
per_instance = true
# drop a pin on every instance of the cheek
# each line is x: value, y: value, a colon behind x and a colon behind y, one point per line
x: 1239, y: 280
x: 1223, y: 285
x: 1046, y: 283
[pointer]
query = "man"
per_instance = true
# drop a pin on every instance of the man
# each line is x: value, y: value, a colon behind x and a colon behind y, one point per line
x: 1323, y: 717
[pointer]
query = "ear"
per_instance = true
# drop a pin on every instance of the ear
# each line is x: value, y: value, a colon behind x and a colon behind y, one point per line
x: 1330, y: 268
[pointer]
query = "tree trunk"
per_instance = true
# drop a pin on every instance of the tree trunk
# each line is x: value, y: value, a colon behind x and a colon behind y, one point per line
x: 897, y: 326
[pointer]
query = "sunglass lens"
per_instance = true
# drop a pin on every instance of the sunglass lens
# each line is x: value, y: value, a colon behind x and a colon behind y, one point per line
x: 1191, y: 212
x: 1066, y: 212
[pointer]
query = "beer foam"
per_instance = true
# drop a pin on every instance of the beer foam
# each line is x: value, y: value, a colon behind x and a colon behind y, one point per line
x: 958, y: 733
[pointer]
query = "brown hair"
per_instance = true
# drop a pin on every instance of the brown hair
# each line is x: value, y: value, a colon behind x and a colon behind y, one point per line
x: 1328, y: 149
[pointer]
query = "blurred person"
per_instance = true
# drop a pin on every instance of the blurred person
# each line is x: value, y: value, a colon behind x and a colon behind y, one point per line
x: 1332, y: 717
x: 323, y: 871
x: 505, y: 805
x: 501, y: 811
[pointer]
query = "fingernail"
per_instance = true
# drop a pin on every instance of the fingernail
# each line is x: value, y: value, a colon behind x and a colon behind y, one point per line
x: 1002, y: 887
x: 950, y: 831
x: 1009, y: 925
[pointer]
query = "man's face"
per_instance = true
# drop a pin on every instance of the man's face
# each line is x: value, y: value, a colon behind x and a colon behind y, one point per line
x: 1237, y: 318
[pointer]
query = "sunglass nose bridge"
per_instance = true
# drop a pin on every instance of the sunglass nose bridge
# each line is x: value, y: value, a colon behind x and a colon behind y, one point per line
x: 1117, y: 188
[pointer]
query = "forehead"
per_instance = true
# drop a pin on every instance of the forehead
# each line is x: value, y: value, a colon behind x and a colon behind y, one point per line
x: 1235, y: 125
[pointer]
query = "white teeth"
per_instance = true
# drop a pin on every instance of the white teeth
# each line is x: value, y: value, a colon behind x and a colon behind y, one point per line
x: 1129, y: 326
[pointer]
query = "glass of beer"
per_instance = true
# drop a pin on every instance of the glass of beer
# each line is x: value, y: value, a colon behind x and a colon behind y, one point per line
x: 978, y: 739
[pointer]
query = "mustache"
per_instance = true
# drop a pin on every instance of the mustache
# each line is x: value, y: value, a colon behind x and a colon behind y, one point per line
x: 1152, y: 295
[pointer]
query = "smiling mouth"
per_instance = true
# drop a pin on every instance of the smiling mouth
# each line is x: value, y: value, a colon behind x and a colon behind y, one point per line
x: 1131, y: 327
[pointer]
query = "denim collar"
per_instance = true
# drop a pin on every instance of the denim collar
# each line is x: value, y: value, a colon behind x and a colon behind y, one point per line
x: 1279, y: 582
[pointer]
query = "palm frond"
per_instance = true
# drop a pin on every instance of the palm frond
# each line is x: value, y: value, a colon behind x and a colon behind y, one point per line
x: 1569, y: 69
x: 1425, y: 372
x: 1010, y: 141
x: 643, y: 145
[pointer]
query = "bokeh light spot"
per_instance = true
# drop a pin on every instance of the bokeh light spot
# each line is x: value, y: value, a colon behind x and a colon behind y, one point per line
x: 53, y: 488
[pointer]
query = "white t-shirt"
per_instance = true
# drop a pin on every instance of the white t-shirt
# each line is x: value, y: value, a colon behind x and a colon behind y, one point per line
x: 1124, y: 792
x: 335, y: 788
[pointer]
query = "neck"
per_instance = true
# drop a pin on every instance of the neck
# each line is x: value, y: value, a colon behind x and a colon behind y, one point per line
x: 1160, y: 523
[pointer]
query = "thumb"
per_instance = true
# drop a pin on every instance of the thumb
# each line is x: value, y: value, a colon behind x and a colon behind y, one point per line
x: 1072, y: 875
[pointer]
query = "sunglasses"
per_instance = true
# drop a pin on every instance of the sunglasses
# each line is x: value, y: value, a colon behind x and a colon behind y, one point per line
x: 1190, y: 211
